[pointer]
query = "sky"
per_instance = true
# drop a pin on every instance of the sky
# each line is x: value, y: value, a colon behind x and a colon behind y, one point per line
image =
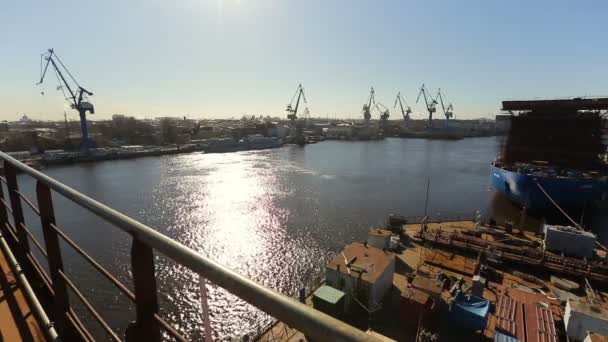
x: 221, y: 59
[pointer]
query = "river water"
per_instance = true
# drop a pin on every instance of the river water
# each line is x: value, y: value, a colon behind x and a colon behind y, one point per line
x: 275, y: 216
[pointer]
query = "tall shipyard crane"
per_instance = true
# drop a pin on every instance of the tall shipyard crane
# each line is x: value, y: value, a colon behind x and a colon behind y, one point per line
x: 76, y: 95
x: 383, y: 111
x: 405, y: 112
x: 367, y: 107
x: 447, y: 112
x: 292, y: 114
x: 430, y: 106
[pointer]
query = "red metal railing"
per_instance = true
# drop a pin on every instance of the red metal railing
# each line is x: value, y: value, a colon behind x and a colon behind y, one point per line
x: 56, y: 285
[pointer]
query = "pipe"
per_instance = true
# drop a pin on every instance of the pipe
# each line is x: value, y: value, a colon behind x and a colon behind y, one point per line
x: 313, y: 323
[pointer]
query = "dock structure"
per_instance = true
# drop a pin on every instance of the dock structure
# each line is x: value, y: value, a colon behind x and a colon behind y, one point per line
x: 46, y: 306
x: 432, y: 274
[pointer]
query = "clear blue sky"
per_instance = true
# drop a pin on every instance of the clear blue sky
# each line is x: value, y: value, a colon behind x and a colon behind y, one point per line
x: 224, y: 58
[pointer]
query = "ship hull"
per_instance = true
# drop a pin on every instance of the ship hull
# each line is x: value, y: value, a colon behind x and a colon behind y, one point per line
x: 568, y: 193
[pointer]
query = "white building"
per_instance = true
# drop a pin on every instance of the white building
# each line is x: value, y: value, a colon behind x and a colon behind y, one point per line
x: 361, y: 271
x: 379, y: 238
x: 583, y: 318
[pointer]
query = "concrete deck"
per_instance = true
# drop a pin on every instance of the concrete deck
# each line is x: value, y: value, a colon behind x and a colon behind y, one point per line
x: 17, y: 321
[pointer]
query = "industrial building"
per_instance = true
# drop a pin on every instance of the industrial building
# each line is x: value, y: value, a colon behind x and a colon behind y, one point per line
x: 364, y: 273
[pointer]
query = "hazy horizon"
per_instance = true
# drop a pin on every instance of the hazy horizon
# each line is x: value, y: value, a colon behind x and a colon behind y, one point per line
x: 222, y: 59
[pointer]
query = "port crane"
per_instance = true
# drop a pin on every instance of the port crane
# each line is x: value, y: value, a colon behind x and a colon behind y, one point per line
x: 384, y: 112
x: 292, y: 113
x: 430, y: 106
x: 76, y: 95
x: 405, y: 112
x: 367, y: 107
x: 447, y: 112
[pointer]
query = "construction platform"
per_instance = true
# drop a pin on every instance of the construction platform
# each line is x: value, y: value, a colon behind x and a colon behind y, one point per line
x: 528, y: 303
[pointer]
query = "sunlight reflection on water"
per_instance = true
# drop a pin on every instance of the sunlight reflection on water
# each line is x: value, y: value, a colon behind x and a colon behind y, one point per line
x: 227, y: 207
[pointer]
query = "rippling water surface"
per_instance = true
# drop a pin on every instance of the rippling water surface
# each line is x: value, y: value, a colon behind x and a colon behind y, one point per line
x: 275, y: 216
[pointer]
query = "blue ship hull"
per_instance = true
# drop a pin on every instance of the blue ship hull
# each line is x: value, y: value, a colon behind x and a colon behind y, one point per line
x: 571, y: 192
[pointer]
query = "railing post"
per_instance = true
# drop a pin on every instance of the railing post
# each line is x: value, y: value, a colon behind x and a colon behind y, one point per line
x: 3, y: 214
x: 145, y: 328
x: 51, y: 240
x: 13, y: 187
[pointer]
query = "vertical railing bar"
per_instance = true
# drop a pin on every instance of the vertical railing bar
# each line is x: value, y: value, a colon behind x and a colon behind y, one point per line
x: 51, y: 240
x: 95, y: 264
x: 13, y: 188
x: 145, y: 328
x: 3, y: 214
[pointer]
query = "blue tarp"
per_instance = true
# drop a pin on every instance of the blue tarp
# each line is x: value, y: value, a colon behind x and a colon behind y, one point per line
x: 500, y: 337
x: 471, y: 311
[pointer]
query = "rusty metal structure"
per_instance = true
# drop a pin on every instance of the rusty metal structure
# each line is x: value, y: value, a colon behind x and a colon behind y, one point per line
x: 518, y: 314
x: 592, y: 269
x: 57, y: 289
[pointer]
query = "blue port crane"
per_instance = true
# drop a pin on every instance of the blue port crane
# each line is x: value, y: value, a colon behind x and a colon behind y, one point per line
x: 76, y: 95
x: 430, y: 106
x: 448, y: 111
x: 405, y: 112
x: 367, y: 107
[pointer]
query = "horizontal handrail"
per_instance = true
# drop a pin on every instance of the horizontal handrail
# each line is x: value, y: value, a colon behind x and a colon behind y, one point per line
x: 311, y: 322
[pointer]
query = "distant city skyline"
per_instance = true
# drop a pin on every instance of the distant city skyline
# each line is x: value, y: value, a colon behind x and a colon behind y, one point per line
x: 222, y: 59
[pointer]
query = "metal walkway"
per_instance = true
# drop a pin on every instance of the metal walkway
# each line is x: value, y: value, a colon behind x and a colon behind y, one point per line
x: 17, y: 323
x: 57, y: 290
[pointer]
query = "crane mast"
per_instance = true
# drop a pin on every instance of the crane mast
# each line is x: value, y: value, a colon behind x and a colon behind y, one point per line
x: 430, y: 107
x: 76, y: 96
